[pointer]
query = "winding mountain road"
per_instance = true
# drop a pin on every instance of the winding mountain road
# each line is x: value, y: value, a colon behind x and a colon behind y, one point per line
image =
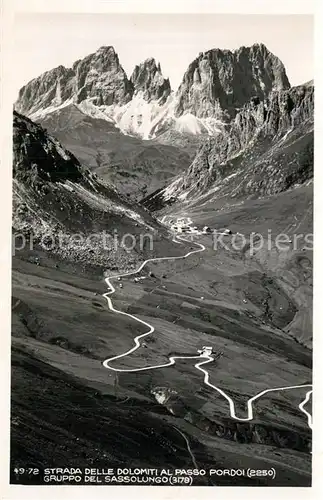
x: 203, y: 359
x: 301, y: 407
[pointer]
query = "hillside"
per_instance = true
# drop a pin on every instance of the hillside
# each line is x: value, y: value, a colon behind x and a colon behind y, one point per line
x: 53, y: 195
x: 135, y: 167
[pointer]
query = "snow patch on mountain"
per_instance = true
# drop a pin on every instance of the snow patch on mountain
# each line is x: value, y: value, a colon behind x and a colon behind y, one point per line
x: 41, y: 113
x: 139, y: 117
x: 189, y: 122
x: 142, y: 118
x: 88, y: 108
x: 146, y: 119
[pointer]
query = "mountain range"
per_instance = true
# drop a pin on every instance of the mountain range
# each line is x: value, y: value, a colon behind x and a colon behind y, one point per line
x: 142, y: 136
x: 216, y: 84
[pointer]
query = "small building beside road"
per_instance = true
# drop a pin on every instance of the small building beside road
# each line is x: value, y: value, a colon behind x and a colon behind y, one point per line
x: 205, y: 351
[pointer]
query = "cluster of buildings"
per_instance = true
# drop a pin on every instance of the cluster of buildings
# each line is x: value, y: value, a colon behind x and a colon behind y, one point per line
x: 182, y: 226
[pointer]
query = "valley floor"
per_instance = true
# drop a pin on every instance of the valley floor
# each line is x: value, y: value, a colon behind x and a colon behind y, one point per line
x: 68, y: 410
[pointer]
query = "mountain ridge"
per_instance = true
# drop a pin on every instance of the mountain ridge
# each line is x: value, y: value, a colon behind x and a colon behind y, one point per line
x: 209, y: 95
x: 229, y: 99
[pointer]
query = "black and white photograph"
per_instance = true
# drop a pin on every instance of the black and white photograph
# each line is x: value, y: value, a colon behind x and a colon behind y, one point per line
x: 162, y: 249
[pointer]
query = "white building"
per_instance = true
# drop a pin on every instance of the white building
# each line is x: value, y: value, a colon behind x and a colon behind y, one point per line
x: 205, y: 351
x: 180, y: 228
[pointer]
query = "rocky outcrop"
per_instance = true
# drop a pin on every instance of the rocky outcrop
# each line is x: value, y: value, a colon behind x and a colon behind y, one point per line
x: 219, y: 82
x: 289, y: 109
x: 38, y: 157
x: 148, y: 79
x: 99, y: 78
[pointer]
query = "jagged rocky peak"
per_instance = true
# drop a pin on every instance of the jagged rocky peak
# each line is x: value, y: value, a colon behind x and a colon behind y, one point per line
x: 219, y: 82
x: 216, y: 86
x: 147, y: 78
x: 101, y: 77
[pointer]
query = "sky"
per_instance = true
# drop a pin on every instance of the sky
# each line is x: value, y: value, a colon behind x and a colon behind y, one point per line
x: 42, y: 41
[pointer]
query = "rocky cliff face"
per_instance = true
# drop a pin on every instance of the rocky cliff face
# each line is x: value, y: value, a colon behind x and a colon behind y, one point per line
x: 271, y: 117
x: 148, y: 79
x: 219, y: 82
x: 101, y: 78
x: 266, y: 149
x: 50, y: 89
